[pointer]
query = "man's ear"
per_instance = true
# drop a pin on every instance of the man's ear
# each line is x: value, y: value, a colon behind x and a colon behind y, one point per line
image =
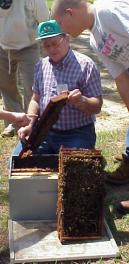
x: 69, y: 11
x: 68, y: 37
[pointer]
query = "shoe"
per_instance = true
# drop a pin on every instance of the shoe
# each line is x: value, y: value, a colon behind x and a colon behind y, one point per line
x: 9, y: 131
x: 123, y: 207
x: 120, y: 176
x: 120, y: 158
x: 117, y: 159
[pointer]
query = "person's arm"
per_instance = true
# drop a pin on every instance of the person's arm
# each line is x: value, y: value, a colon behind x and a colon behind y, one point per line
x: 87, y: 105
x: 33, y: 110
x: 88, y: 97
x: 120, y: 76
x: 122, y: 83
x: 21, y: 119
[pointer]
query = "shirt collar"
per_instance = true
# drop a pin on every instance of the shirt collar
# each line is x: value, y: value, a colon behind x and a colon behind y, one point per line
x: 64, y: 62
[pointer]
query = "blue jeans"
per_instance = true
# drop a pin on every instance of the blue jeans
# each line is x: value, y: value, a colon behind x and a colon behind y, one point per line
x: 127, y: 144
x: 84, y: 137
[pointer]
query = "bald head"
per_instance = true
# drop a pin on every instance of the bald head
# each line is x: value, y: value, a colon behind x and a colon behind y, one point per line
x: 59, y: 6
x: 74, y: 16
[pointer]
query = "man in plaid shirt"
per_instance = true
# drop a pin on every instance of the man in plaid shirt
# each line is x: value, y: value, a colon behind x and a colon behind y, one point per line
x: 64, y: 67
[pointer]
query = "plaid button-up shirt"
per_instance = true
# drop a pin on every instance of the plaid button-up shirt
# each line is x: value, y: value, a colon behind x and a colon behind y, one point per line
x: 77, y: 71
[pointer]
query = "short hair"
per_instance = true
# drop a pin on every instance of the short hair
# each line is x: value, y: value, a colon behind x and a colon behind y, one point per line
x: 59, y: 6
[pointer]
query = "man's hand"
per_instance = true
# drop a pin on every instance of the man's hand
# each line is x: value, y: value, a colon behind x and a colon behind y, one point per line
x: 24, y: 132
x: 75, y: 97
x: 87, y: 105
x: 22, y: 119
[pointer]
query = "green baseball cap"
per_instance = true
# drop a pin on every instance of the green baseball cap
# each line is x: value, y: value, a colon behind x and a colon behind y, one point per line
x: 48, y: 29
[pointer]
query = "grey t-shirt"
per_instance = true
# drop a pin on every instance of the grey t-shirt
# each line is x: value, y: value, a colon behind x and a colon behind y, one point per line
x: 110, y: 34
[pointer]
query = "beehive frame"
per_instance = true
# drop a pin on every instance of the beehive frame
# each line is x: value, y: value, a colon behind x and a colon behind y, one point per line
x: 88, y: 182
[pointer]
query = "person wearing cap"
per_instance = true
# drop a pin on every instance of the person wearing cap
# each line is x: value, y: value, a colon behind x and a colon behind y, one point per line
x: 64, y: 67
x: 19, y: 52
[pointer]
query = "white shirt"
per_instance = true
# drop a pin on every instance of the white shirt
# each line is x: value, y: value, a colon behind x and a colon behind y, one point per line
x: 110, y: 34
x: 18, y: 24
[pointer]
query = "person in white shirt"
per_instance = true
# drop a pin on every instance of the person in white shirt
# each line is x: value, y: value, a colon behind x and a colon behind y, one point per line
x: 18, y: 51
x: 108, y: 23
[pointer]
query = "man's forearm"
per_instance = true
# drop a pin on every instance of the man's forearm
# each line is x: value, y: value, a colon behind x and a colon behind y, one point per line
x: 87, y: 105
x: 33, y: 109
x: 8, y: 116
x: 122, y: 83
x: 90, y: 105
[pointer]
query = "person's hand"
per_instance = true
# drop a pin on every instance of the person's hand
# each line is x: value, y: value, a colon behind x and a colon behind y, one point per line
x: 75, y: 98
x: 24, y: 132
x: 22, y: 119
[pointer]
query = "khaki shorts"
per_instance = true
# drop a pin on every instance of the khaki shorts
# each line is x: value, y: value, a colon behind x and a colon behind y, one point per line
x: 14, y: 61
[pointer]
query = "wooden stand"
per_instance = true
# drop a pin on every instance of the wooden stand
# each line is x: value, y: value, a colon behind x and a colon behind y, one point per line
x: 37, y: 241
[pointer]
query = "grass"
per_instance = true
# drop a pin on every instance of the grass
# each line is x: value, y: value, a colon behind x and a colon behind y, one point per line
x: 5, y: 152
x: 111, y: 143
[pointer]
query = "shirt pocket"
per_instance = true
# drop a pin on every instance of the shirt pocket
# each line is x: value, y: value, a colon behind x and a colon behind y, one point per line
x: 49, y: 91
x: 72, y: 86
